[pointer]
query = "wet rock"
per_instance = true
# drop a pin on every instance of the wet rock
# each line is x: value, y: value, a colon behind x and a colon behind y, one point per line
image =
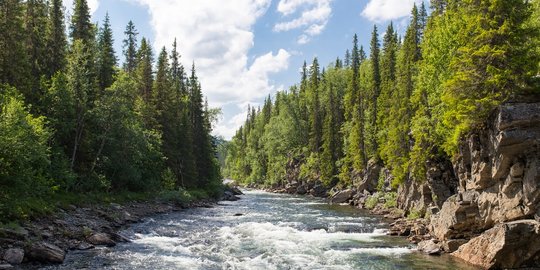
x: 510, y: 245
x: 453, y: 244
x: 14, y: 256
x: 302, y: 190
x: 119, y: 238
x: 85, y: 246
x: 101, y: 239
x: 229, y: 196
x: 318, y: 190
x: 236, y: 191
x: 291, y: 187
x: 45, y: 252
x: 5, y: 266
x: 342, y: 196
x: 430, y: 247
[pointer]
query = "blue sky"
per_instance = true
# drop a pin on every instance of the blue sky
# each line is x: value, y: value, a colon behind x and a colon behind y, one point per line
x: 245, y: 50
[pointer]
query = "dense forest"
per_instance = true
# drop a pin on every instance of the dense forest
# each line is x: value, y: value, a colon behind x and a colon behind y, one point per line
x: 73, y: 122
x: 404, y: 103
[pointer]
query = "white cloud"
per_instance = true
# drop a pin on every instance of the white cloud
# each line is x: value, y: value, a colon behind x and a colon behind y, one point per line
x: 92, y: 4
x: 218, y: 37
x: 228, y: 128
x: 385, y: 10
x: 313, y: 15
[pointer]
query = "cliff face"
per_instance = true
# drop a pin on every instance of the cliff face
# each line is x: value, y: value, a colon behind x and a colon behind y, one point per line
x: 498, y: 191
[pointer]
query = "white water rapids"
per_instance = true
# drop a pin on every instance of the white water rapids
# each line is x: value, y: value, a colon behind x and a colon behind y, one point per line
x: 273, y: 232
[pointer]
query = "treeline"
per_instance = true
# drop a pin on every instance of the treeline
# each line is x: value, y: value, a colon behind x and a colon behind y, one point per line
x: 73, y: 121
x: 405, y: 104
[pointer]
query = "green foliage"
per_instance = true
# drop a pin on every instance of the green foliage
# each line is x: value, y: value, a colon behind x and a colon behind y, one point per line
x: 390, y: 200
x: 414, y: 214
x: 409, y: 102
x: 77, y: 128
x: 372, y: 201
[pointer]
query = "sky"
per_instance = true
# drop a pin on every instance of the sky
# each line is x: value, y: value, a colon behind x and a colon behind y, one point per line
x: 245, y: 50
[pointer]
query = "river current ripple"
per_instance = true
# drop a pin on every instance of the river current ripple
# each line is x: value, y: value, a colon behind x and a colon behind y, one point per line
x: 261, y: 231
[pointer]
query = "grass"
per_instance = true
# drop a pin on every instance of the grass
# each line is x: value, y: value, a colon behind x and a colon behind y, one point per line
x: 17, y: 208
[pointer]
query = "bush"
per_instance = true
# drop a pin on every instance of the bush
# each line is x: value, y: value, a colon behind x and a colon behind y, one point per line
x: 372, y: 201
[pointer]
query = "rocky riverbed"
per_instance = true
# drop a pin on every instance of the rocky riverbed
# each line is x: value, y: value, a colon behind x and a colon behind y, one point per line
x: 482, y: 207
x: 48, y: 239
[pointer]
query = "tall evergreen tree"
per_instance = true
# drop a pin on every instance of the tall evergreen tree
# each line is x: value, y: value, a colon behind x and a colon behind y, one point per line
x: 35, y: 23
x: 14, y: 65
x: 202, y: 147
x: 144, y: 72
x: 56, y: 39
x: 81, y: 27
x: 130, y: 47
x: 106, y: 55
x: 315, y: 133
x: 372, y: 149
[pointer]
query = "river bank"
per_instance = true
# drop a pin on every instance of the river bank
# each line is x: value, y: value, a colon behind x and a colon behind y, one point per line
x: 47, y: 239
x: 414, y: 228
x: 261, y: 231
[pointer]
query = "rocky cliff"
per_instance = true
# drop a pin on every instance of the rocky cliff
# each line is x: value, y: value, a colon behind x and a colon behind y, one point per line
x: 497, y: 201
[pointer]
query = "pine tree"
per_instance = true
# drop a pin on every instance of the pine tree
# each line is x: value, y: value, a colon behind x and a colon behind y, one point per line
x: 177, y: 72
x: 106, y: 56
x: 35, y: 23
x: 202, y: 148
x: 362, y: 54
x: 130, y: 48
x: 331, y: 137
x: 388, y: 81
x: 347, y: 61
x: 143, y: 71
x: 14, y: 65
x: 372, y: 147
x: 315, y: 133
x: 81, y: 27
x: 56, y: 39
x: 83, y: 88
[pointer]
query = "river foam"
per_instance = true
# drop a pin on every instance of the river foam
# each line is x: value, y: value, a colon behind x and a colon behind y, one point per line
x: 261, y: 231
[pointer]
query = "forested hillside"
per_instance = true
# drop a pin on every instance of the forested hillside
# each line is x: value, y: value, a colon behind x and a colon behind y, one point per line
x: 73, y: 122
x: 402, y: 103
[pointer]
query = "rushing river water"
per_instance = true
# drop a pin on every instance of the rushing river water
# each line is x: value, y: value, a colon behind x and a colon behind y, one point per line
x: 273, y: 232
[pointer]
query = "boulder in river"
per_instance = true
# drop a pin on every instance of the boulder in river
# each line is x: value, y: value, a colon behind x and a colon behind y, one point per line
x: 101, y: 239
x: 229, y: 196
x: 318, y: 190
x: 510, y: 245
x: 342, y: 196
x: 45, y: 252
x: 14, y: 256
x: 430, y: 247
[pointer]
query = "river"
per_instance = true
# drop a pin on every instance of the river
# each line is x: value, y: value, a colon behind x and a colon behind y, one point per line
x: 261, y: 231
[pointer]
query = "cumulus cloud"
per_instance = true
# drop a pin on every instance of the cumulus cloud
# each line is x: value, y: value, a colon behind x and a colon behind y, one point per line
x: 311, y: 16
x: 92, y: 4
x: 218, y: 37
x: 385, y: 10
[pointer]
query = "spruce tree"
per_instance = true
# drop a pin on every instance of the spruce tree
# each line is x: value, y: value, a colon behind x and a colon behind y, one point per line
x: 81, y: 27
x: 56, y: 39
x: 143, y: 71
x: 14, y: 65
x: 130, y: 47
x: 35, y: 23
x: 106, y: 55
x: 315, y: 133
x: 372, y: 149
